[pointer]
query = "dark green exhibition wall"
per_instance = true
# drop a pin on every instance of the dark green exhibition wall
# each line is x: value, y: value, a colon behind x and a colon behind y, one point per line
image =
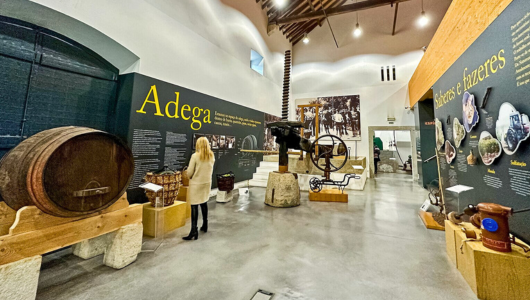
x: 425, y: 122
x: 500, y: 59
x: 162, y: 132
x: 48, y: 81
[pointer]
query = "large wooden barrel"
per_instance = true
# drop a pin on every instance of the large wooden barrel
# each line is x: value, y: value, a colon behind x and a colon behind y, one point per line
x: 66, y: 171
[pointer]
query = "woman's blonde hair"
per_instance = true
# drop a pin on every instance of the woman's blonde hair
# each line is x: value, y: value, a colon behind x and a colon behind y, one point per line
x: 202, y: 147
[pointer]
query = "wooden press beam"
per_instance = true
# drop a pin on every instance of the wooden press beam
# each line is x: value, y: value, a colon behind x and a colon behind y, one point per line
x: 335, y: 11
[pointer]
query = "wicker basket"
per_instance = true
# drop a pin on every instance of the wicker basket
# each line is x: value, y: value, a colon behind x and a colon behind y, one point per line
x: 225, y: 182
x: 170, y: 181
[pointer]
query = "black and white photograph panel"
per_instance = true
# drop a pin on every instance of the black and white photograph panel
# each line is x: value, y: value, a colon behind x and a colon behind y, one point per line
x: 230, y: 142
x: 269, y: 141
x: 215, y: 142
x: 337, y: 115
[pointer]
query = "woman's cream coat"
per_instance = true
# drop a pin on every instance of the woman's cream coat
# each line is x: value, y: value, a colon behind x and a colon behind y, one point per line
x: 200, y: 173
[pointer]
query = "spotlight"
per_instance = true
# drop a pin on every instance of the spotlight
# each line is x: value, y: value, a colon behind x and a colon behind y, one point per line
x: 424, y: 20
x: 306, y: 39
x: 357, y: 32
x: 280, y: 3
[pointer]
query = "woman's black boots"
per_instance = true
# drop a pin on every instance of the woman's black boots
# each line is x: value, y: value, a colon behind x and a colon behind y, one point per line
x: 194, y: 233
x: 204, y: 210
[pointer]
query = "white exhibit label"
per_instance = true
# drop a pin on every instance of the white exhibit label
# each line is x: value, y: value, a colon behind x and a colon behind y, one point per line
x: 151, y: 187
x: 425, y: 206
x: 459, y: 188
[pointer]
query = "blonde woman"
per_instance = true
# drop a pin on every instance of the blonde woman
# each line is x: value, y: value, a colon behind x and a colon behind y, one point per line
x: 200, y: 172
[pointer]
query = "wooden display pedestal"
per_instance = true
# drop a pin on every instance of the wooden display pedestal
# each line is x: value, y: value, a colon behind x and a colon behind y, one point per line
x: 28, y: 233
x: 182, y: 196
x: 159, y: 221
x: 331, y: 195
x: 428, y: 221
x: 491, y: 275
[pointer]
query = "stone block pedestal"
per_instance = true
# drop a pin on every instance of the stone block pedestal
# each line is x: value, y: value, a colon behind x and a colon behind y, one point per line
x: 283, y: 190
x: 115, y: 232
x: 120, y: 247
x: 19, y: 279
x: 92, y: 247
x: 124, y: 246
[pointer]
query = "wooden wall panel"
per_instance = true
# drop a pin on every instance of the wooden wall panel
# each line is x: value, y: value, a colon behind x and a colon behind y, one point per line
x: 463, y: 23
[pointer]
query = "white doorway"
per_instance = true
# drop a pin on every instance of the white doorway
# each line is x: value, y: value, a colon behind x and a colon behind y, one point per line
x: 397, y: 155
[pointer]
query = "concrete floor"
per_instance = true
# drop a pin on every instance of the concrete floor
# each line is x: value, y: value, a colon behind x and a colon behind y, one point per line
x: 374, y: 247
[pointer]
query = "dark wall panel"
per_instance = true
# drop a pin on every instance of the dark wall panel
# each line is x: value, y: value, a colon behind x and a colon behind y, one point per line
x: 500, y: 59
x: 60, y: 98
x: 47, y: 81
x: 14, y: 76
x: 159, y: 140
x: 60, y: 54
x: 17, y: 41
x: 429, y: 170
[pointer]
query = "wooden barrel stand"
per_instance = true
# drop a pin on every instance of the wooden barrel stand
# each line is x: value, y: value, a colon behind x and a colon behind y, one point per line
x: 66, y: 171
x: 329, y: 195
x: 28, y: 233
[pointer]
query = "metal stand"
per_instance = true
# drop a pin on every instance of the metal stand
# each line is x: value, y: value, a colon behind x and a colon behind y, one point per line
x: 153, y: 244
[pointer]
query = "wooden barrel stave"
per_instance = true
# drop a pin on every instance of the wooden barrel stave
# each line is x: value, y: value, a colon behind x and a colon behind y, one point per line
x: 100, y: 150
x: 34, y: 179
x: 15, y: 164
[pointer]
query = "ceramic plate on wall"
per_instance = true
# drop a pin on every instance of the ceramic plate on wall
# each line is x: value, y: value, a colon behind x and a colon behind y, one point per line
x: 450, y: 152
x: 459, y: 132
x: 469, y: 111
x: 512, y: 128
x: 439, y: 134
x: 489, y: 148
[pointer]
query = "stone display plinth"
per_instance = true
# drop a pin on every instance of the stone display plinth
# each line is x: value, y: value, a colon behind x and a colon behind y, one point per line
x: 283, y: 190
x: 223, y: 196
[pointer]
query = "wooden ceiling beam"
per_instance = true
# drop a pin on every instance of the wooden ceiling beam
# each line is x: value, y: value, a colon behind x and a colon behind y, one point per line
x: 299, y: 38
x: 310, y: 2
x: 321, y: 21
x: 266, y: 4
x: 453, y: 37
x: 296, y: 31
x: 302, y: 31
x: 290, y: 27
x: 368, y: 4
x: 327, y: 4
x: 300, y: 8
x: 290, y: 30
x: 288, y: 9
